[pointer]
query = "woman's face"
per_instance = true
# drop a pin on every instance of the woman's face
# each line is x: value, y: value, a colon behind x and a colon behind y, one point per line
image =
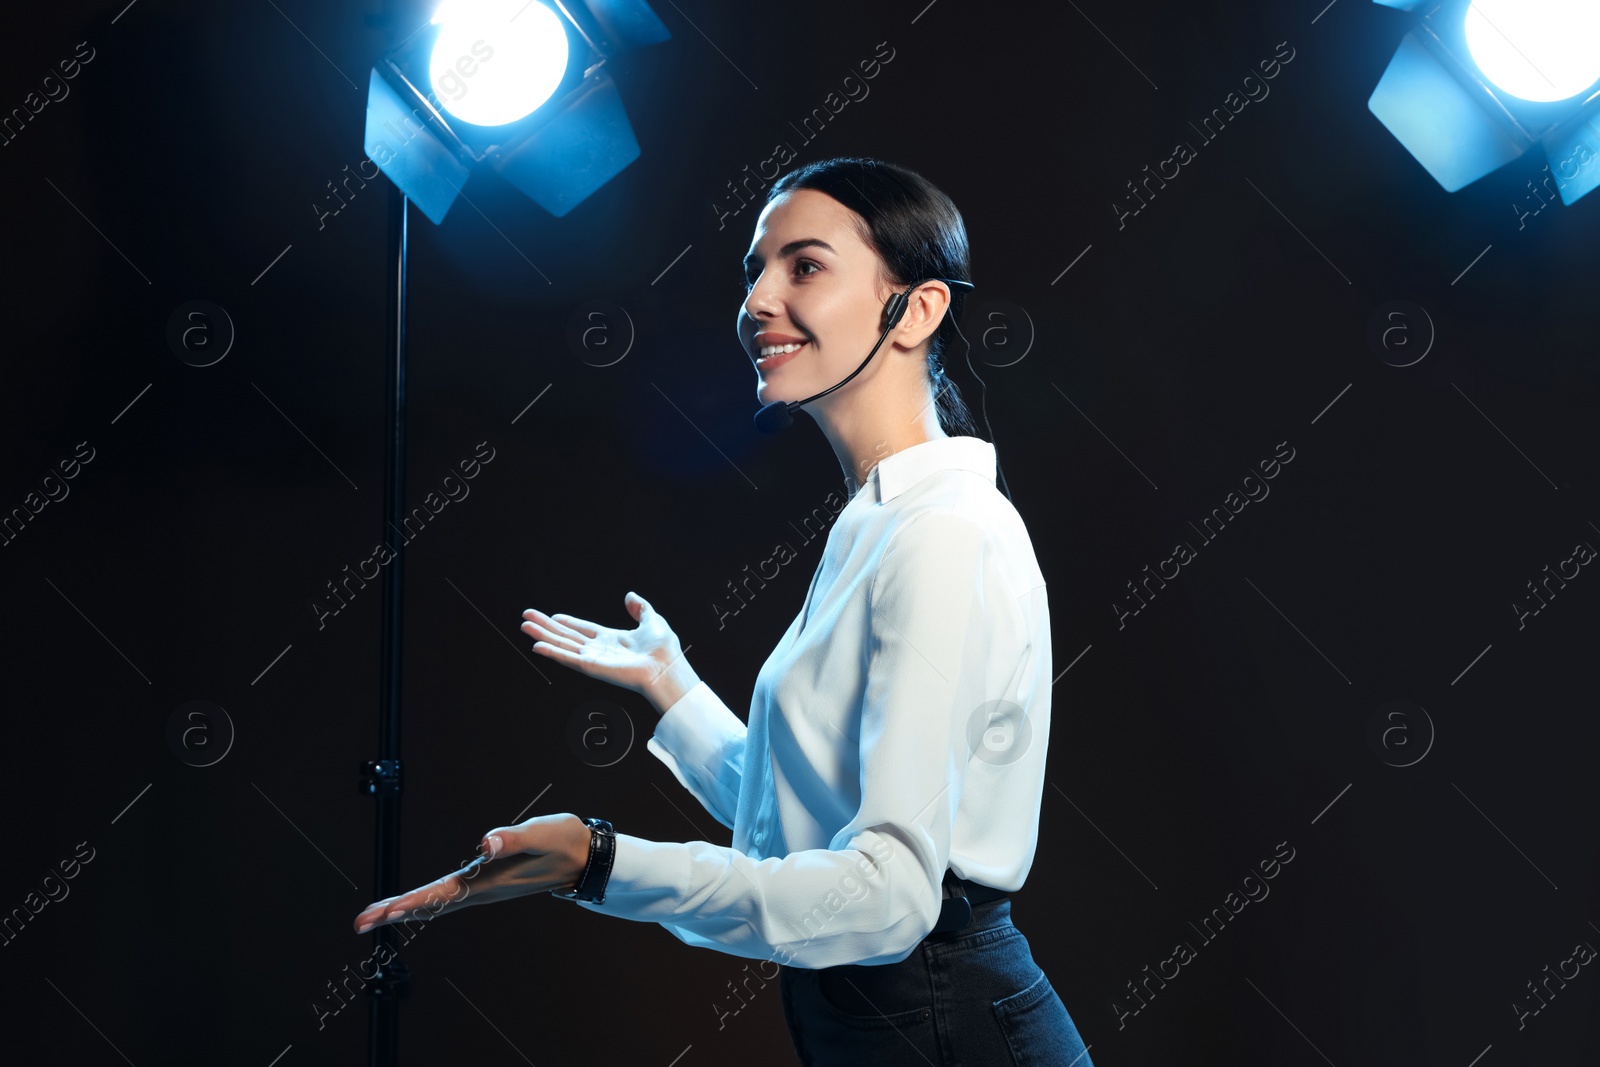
x: 812, y: 281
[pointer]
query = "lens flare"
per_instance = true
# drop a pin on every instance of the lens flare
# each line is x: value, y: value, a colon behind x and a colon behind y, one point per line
x: 496, y: 61
x: 1539, y: 50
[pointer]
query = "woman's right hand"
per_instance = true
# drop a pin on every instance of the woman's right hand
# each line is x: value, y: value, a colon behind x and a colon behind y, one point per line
x: 646, y: 659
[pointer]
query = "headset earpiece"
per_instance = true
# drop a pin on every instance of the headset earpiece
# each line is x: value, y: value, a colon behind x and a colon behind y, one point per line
x: 895, y: 308
x: 780, y: 413
x: 898, y: 302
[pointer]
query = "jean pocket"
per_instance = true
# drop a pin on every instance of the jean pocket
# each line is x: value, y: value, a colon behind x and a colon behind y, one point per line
x: 1038, y: 1029
x: 861, y: 1003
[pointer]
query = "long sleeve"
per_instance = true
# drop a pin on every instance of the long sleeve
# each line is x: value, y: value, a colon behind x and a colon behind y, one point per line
x: 944, y: 635
x: 702, y: 742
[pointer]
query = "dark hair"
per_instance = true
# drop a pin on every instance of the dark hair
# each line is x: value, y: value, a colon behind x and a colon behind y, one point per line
x: 917, y: 232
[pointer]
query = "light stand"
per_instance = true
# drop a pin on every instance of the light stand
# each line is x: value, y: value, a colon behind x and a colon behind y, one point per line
x: 560, y: 153
x: 380, y: 778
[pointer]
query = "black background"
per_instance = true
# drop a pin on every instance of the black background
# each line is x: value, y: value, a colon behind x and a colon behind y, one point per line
x: 1229, y: 716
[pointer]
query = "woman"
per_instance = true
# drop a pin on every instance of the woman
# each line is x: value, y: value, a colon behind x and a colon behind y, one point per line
x: 884, y: 798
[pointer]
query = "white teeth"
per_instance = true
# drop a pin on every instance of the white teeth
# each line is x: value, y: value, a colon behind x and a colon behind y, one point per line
x: 772, y: 350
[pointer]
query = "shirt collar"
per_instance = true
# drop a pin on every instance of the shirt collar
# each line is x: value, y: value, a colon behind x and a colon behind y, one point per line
x: 898, y: 472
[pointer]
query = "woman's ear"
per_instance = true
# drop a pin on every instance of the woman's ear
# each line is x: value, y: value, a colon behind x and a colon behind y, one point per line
x: 925, y: 310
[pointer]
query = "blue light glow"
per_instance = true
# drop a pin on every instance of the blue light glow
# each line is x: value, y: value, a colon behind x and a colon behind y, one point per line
x: 1536, y: 49
x: 496, y: 61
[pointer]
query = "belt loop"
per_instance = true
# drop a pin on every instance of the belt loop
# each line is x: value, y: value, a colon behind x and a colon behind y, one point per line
x: 956, y: 911
x: 954, y: 914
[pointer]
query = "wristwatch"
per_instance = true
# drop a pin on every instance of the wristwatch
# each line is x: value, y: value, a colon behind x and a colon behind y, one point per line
x: 591, y: 888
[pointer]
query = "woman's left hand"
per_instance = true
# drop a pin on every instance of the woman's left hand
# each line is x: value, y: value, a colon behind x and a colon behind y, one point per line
x: 535, y: 856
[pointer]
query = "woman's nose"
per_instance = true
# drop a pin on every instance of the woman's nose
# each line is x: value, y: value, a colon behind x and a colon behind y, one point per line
x: 760, y: 300
x: 757, y: 314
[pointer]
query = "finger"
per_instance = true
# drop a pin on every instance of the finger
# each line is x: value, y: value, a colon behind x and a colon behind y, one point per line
x: 440, y: 891
x: 371, y: 913
x: 583, y: 626
x: 387, y: 910
x: 540, y: 633
x: 424, y: 903
x: 530, y: 835
x: 535, y: 835
x: 635, y: 605
x: 545, y: 622
x: 562, y: 656
x: 551, y: 623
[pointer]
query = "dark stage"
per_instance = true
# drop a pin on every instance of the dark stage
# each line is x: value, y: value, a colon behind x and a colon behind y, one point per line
x: 1305, y: 445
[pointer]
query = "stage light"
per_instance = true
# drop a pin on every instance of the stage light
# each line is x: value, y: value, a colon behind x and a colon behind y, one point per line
x: 1536, y: 49
x: 497, y: 61
x: 1478, y: 83
x: 521, y: 86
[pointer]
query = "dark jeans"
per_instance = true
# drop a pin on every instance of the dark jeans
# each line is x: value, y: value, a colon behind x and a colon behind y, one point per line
x: 966, y: 998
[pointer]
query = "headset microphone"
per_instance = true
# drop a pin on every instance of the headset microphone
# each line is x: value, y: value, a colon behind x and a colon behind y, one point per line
x: 779, y: 414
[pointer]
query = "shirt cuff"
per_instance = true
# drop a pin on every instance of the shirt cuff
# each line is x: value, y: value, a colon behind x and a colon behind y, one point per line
x: 640, y: 887
x: 697, y: 731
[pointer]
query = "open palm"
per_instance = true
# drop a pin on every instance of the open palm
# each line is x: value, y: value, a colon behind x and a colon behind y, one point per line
x: 633, y: 659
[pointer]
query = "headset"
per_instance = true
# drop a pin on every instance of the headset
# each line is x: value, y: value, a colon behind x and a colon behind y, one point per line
x: 779, y: 414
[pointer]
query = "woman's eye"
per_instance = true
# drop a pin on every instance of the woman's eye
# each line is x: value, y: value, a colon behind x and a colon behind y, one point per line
x: 750, y: 280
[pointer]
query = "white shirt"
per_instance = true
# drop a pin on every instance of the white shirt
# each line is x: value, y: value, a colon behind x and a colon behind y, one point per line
x: 898, y: 728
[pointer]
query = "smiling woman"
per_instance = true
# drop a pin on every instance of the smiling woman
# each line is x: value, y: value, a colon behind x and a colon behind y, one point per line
x: 835, y: 241
x: 911, y: 693
x: 884, y: 790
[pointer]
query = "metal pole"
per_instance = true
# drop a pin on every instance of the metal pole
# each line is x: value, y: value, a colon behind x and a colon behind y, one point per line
x: 381, y: 777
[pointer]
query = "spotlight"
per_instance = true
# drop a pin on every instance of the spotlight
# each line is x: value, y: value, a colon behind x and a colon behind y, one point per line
x: 1534, y: 53
x: 518, y: 85
x: 1477, y: 83
x: 531, y: 49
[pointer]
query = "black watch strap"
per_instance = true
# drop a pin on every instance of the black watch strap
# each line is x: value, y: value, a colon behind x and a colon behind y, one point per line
x: 591, y: 887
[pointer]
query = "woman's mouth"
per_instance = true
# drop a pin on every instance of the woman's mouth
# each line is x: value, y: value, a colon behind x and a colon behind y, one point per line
x: 784, y: 354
